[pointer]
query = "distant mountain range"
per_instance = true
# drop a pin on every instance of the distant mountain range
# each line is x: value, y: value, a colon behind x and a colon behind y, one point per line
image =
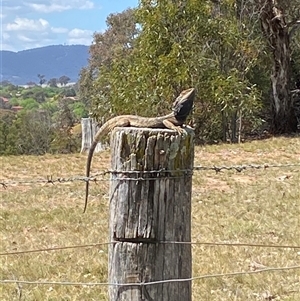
x: 22, y: 67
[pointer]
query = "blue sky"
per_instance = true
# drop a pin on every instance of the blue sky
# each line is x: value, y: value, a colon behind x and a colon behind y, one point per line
x: 29, y: 24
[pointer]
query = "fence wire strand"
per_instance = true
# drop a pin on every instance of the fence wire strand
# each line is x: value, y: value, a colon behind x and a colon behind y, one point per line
x: 242, y: 167
x: 152, y: 174
x: 55, y: 249
x: 209, y: 244
x: 140, y: 284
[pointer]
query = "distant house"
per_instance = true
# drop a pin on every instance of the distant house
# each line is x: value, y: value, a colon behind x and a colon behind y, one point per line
x: 75, y: 98
x: 16, y: 108
x: 4, y: 103
x: 4, y: 99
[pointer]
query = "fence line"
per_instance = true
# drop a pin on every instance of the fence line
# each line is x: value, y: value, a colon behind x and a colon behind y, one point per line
x: 141, y: 284
x: 50, y: 180
x: 212, y: 244
x: 152, y: 176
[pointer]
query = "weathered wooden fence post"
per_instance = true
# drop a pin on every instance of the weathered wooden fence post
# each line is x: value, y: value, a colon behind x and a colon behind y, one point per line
x: 150, y: 204
x: 89, y: 128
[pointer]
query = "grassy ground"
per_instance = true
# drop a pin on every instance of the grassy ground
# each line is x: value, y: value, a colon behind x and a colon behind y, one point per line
x: 254, y: 206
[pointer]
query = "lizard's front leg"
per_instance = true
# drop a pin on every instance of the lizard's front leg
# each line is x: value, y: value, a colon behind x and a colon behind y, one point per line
x: 168, y: 124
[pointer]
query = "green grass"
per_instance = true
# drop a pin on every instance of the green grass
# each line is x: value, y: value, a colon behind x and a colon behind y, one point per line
x: 254, y: 206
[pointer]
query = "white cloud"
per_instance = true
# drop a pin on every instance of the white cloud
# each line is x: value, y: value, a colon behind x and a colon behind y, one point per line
x: 5, y: 36
x: 42, y: 8
x: 24, y: 24
x: 60, y: 5
x: 7, y: 47
x: 80, y: 36
x: 31, y: 33
x: 77, y: 33
x: 59, y: 30
x: 25, y: 39
x: 13, y: 8
x: 30, y: 23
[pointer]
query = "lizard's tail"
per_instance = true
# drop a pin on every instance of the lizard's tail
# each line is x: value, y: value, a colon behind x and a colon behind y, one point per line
x: 86, y: 195
x: 105, y: 129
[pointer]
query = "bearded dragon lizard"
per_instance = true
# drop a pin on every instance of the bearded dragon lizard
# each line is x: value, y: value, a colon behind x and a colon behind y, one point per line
x: 182, y: 106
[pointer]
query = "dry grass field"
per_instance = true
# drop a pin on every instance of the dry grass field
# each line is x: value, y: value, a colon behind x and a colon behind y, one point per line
x: 255, y: 206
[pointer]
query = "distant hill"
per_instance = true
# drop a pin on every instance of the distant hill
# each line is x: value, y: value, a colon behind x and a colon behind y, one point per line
x: 21, y: 67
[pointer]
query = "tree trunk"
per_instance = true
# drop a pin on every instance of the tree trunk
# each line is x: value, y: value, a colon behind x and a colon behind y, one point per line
x: 276, y: 32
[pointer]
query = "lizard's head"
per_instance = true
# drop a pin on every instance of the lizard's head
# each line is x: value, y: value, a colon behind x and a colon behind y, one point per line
x: 183, y: 104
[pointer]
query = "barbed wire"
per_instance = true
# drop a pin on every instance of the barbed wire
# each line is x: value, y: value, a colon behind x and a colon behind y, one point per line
x: 154, y: 242
x: 49, y: 179
x: 141, y: 284
x: 240, y: 168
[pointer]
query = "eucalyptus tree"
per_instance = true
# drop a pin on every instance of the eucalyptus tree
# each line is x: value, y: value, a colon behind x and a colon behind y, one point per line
x: 148, y: 55
x: 108, y: 52
x: 201, y: 44
x: 280, y: 20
